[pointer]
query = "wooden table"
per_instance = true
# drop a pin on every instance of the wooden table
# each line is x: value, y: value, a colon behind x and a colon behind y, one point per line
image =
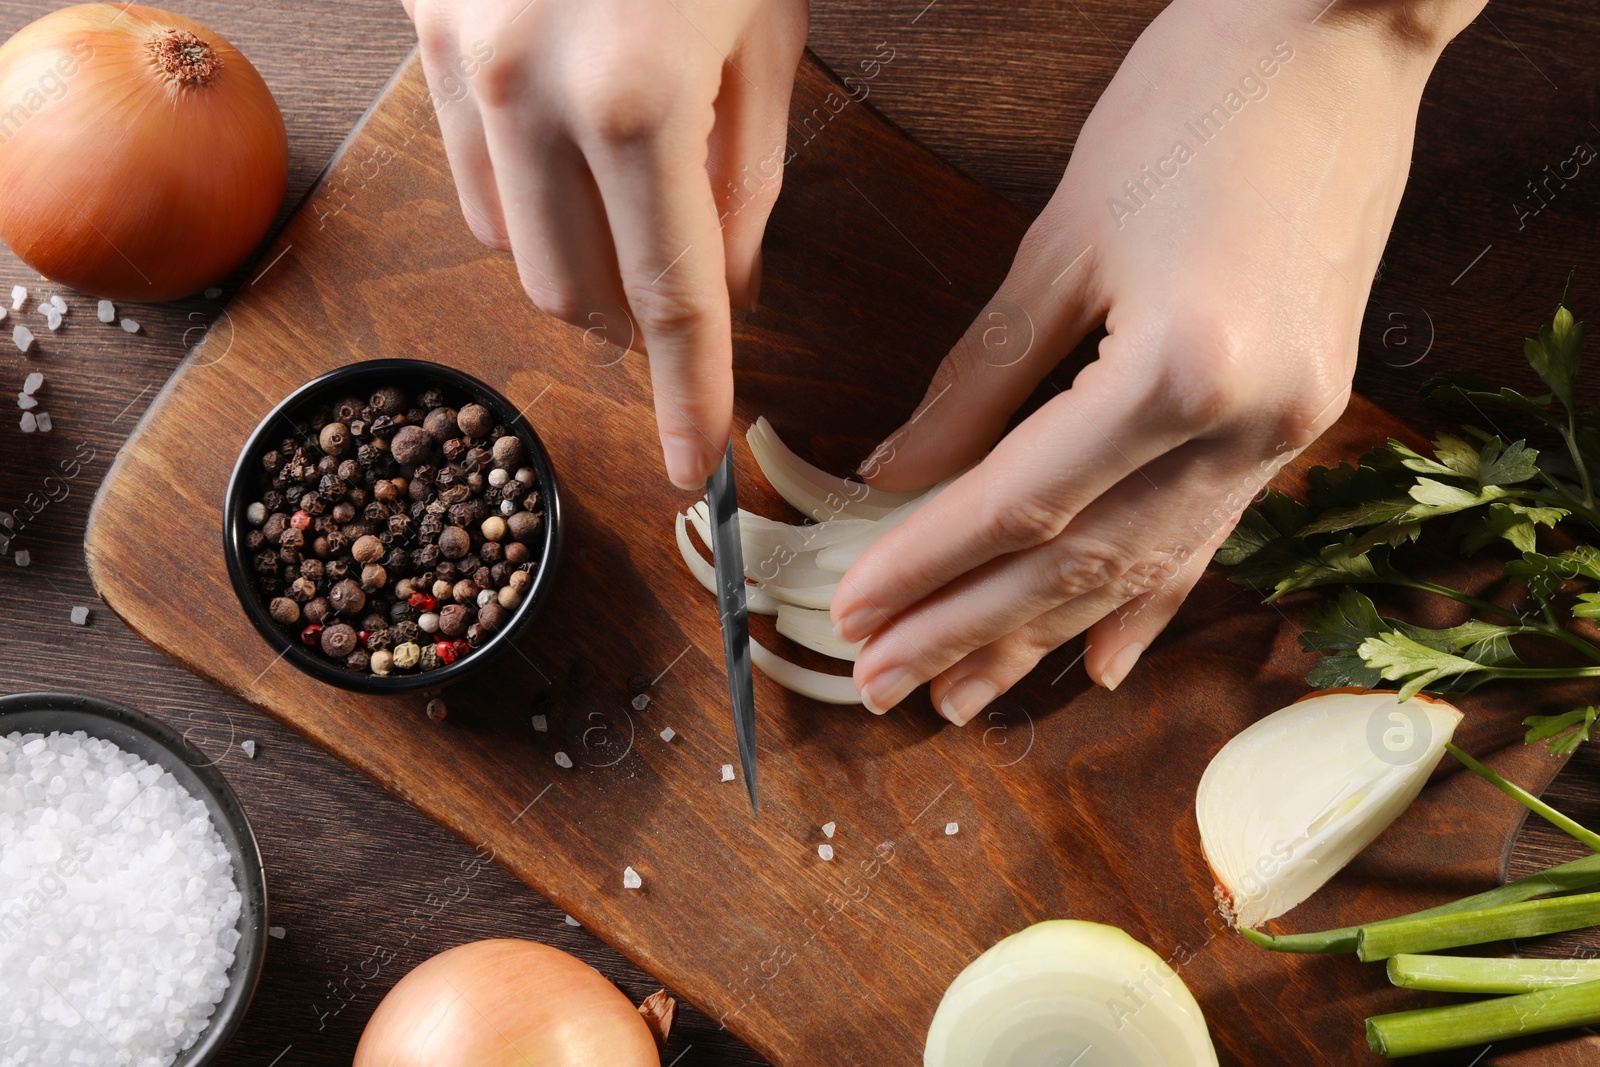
x: 355, y: 874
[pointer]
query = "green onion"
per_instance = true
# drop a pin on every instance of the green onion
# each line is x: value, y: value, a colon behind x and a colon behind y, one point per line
x: 1528, y: 800
x: 1475, y: 974
x: 1530, y: 918
x: 1578, y: 874
x: 1411, y: 1033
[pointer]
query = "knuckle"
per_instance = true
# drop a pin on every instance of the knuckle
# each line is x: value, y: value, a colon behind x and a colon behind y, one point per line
x: 1023, y: 523
x: 1206, y: 381
x: 555, y: 301
x: 1083, y: 565
x: 662, y: 309
x: 624, y: 103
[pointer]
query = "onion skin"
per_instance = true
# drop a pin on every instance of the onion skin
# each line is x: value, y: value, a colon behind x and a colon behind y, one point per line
x: 506, y: 1003
x: 120, y: 182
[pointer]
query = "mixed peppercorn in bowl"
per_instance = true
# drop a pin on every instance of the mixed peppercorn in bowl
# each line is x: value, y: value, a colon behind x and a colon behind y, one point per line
x: 392, y: 525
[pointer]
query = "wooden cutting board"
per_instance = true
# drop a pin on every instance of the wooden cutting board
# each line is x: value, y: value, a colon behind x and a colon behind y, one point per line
x: 1071, y: 801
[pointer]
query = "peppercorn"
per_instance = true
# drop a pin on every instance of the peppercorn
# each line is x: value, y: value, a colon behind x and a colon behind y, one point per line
x: 441, y: 589
x: 316, y: 610
x: 440, y: 424
x: 446, y: 651
x: 400, y: 526
x: 335, y: 439
x: 524, y: 525
x: 436, y: 710
x: 272, y: 460
x: 411, y: 446
x: 400, y: 612
x: 303, y: 589
x: 312, y: 568
x: 491, y: 617
x: 405, y: 631
x: 517, y: 553
x: 453, y: 620
x: 460, y: 514
x: 491, y: 552
x: 347, y: 598
x: 428, y: 656
x: 454, y: 449
x: 494, y: 528
x: 508, y: 598
x: 343, y: 511
x: 428, y: 622
x: 481, y: 577
x: 381, y: 662
x: 404, y: 588
x: 255, y: 541
x: 474, y: 636
x: 454, y: 542
x: 425, y: 557
x: 273, y: 528
x: 388, y: 400
x: 378, y: 640
x: 339, y: 640
x: 373, y: 577
x: 465, y: 591
x: 477, y: 459
x: 348, y: 409
x: 519, y: 581
x: 508, y: 451
x: 475, y: 420
x: 406, y: 655
x: 387, y: 490
x: 285, y: 611
x: 398, y: 561
x: 311, y: 635
x: 374, y: 621
x: 358, y: 660
x: 367, y: 549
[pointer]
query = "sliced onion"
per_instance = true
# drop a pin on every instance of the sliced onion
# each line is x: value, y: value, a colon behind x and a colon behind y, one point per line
x: 827, y: 688
x: 704, y: 573
x: 813, y: 629
x: 812, y: 490
x: 1295, y: 796
x: 1068, y: 992
x: 842, y: 554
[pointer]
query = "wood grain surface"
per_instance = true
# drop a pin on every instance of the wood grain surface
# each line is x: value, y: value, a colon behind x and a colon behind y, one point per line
x: 1000, y: 92
x: 1064, y: 792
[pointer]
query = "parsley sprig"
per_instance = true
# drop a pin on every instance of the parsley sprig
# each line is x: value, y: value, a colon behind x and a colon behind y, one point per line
x: 1487, y: 495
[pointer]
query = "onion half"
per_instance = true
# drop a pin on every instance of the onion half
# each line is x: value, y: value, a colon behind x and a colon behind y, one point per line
x: 1066, y: 991
x: 1294, y: 797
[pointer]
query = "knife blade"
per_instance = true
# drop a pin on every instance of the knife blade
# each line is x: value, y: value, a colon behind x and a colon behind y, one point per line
x: 727, y: 556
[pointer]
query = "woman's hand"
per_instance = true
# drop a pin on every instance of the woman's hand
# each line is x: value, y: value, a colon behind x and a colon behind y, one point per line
x: 1223, y: 215
x: 628, y: 156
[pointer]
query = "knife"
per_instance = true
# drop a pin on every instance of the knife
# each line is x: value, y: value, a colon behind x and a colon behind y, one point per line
x: 727, y: 555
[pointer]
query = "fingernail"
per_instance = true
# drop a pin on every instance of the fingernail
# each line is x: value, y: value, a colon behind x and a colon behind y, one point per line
x: 683, y: 463
x: 1120, y: 665
x: 855, y: 625
x: 966, y: 698
x: 887, y: 689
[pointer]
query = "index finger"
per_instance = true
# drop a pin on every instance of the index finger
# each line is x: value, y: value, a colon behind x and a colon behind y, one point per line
x: 670, y: 252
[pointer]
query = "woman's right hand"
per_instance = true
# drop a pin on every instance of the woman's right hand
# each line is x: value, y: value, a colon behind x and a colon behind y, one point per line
x: 628, y: 156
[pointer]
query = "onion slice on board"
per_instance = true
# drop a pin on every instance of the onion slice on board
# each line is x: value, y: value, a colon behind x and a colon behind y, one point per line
x: 1295, y: 796
x: 814, y: 491
x: 1068, y: 992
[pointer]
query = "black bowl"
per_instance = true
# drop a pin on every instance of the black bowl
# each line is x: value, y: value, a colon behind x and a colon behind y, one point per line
x: 361, y: 379
x: 148, y: 739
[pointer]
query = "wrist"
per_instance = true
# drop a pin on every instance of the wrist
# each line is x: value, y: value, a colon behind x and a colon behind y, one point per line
x: 1407, y: 28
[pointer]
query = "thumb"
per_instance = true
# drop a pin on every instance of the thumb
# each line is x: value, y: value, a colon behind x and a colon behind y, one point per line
x: 1040, y: 312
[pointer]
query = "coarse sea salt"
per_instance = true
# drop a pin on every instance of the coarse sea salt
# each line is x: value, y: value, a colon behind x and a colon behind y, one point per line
x: 541, y: 723
x: 828, y: 828
x: 130, y: 325
x: 727, y: 772
x: 668, y: 733
x: 42, y: 420
x: 33, y: 383
x: 106, y: 311
x: 952, y: 828
x: 22, y: 337
x: 29, y: 422
x: 117, y: 905
x: 19, y: 296
x: 641, y: 702
x: 563, y: 761
x: 631, y: 879
x: 79, y: 616
x: 825, y: 851
x: 26, y: 402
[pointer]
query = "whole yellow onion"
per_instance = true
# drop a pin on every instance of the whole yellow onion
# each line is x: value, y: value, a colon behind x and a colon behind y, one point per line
x: 141, y: 155
x: 505, y: 1003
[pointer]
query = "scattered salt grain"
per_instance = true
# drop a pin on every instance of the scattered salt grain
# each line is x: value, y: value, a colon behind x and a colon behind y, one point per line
x: 130, y: 325
x: 210, y: 294
x: 828, y: 828
x: 58, y: 303
x: 641, y: 702
x: 106, y: 311
x: 79, y: 616
x: 668, y: 734
x: 563, y: 761
x: 26, y: 402
x: 33, y: 383
x: 952, y: 828
x: 727, y: 772
x: 29, y: 422
x: 277, y: 932
x: 44, y: 307
x: 825, y: 851
x: 19, y: 296
x: 631, y: 879
x: 43, y: 422
x: 123, y: 905
x: 2, y: 311
x: 52, y: 319
x: 541, y: 723
x: 249, y: 749
x: 23, y: 559
x: 22, y: 337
